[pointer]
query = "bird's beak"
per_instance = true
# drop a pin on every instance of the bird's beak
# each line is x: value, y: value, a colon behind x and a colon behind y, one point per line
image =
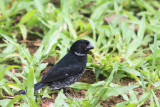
x: 90, y: 46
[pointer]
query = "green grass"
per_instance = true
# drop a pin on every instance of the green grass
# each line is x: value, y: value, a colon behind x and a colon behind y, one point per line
x: 128, y: 45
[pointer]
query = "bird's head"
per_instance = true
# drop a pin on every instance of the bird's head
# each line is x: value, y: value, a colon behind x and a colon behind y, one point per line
x: 81, y: 47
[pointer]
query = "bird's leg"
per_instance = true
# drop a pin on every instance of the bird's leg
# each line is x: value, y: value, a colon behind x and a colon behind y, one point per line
x: 65, y: 92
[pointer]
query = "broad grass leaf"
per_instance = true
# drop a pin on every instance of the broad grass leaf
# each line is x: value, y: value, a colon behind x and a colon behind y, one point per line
x: 143, y: 98
x: 99, y: 11
x: 25, y: 53
x: 80, y: 85
x: 71, y: 28
x: 51, y: 38
x: 39, y: 68
x: 13, y: 86
x: 142, y: 27
x: 64, y: 7
x: 13, y: 77
x: 131, y: 71
x: 60, y: 100
x: 9, y: 49
x: 156, y: 99
x: 133, y: 47
x: 10, y: 56
x: 121, y: 104
x: 4, y: 102
x: 94, y: 87
x: 17, y: 98
x: 38, y: 55
x: 154, y: 52
x: 5, y: 70
x: 2, y: 7
x: 93, y: 28
x: 27, y: 17
x: 116, y: 91
x: 11, y: 41
x: 30, y: 84
x: 32, y: 103
x: 6, y: 89
x: 40, y: 7
x: 152, y: 101
x: 23, y: 31
x: 22, y: 50
x: 142, y: 80
x: 133, y: 98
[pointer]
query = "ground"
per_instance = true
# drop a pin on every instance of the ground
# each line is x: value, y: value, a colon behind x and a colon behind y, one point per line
x: 89, y: 77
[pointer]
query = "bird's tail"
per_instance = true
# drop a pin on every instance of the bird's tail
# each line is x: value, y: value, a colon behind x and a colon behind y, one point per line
x: 37, y: 86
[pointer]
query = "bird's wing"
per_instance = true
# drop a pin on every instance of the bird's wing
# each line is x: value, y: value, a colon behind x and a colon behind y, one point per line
x: 61, y: 73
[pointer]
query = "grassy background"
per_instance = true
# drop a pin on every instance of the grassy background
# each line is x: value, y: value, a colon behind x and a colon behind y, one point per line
x: 125, y: 34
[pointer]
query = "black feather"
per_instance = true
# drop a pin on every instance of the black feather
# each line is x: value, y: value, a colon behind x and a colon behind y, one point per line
x: 68, y: 70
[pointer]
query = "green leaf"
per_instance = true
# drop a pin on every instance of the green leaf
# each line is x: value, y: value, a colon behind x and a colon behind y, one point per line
x: 71, y: 29
x: 99, y: 11
x: 30, y: 84
x: 37, y: 56
x: 27, y: 17
x: 2, y: 7
x: 13, y: 77
x: 11, y: 103
x: 64, y: 7
x: 121, y: 104
x: 7, y: 89
x: 154, y: 52
x: 131, y: 71
x: 142, y: 27
x: 152, y: 102
x: 133, y: 47
x: 133, y: 98
x: 4, y: 70
x: 4, y: 102
x: 39, y: 69
x: 116, y: 91
x: 156, y: 99
x: 93, y: 28
x: 51, y: 38
x: 40, y: 7
x: 142, y: 80
x: 80, y: 85
x: 60, y: 100
x: 23, y: 51
x: 144, y: 98
x: 23, y: 31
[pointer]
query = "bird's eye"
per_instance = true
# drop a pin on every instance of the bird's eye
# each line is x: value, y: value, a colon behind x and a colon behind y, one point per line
x: 87, y: 43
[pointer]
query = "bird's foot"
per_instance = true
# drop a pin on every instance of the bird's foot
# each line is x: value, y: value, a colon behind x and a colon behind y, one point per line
x: 68, y: 95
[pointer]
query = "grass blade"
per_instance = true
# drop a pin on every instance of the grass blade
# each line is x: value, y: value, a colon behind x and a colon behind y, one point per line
x: 142, y: 80
x: 156, y: 99
x: 154, y: 52
x: 11, y: 103
x: 39, y: 6
x: 30, y: 84
x: 23, y: 31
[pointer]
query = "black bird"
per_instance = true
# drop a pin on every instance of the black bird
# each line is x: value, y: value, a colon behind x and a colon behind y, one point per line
x: 68, y: 70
